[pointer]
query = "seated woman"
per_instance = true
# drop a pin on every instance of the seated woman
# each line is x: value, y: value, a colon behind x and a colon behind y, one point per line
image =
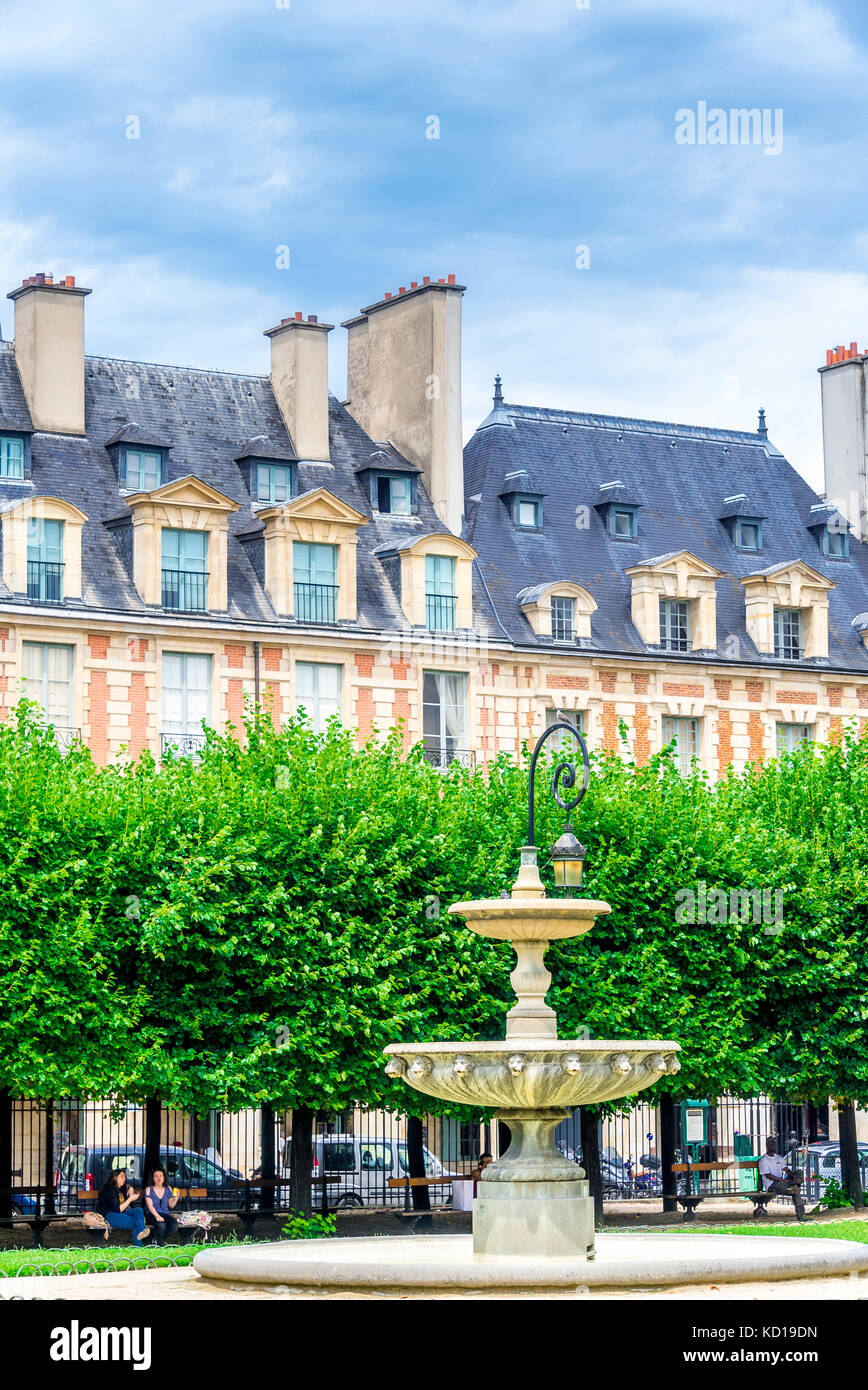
x: 160, y: 1201
x: 114, y: 1199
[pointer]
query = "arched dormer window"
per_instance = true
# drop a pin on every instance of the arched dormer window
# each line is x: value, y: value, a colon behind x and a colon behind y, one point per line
x: 560, y: 611
x: 42, y: 549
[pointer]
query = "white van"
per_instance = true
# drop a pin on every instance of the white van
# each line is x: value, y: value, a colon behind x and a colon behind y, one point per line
x: 358, y: 1171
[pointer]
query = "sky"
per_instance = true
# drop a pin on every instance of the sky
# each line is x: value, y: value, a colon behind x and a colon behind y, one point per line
x: 715, y: 275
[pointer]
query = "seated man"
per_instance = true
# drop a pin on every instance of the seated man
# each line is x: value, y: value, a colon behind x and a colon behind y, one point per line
x: 778, y: 1178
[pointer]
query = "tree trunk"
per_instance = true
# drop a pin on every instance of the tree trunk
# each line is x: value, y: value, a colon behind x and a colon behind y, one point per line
x: 589, y: 1129
x: 266, y: 1158
x: 5, y: 1152
x: 420, y: 1196
x: 667, y: 1151
x: 153, y: 1135
x: 851, y: 1176
x: 301, y: 1160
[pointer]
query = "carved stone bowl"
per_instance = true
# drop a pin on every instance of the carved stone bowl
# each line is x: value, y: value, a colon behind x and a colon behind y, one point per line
x: 530, y: 1074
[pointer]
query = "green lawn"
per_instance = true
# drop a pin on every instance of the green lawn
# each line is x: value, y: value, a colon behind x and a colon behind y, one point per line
x: 92, y: 1260
x: 827, y: 1230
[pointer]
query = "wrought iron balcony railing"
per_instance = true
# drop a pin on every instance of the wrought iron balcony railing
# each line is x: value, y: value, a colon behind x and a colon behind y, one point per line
x: 316, y: 603
x: 64, y: 735
x: 184, y: 745
x: 440, y: 612
x: 45, y: 580
x: 185, y: 591
x: 441, y: 757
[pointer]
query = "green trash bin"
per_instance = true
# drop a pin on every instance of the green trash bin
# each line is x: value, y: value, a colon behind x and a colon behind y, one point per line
x: 748, y: 1178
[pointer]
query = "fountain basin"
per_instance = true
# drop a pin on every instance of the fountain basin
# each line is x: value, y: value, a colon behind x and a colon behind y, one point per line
x: 530, y: 918
x: 529, y: 1074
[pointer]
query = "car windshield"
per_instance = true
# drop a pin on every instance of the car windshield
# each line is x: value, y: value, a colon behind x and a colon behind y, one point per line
x: 339, y: 1158
x: 431, y: 1163
x: 72, y: 1167
x: 375, y: 1157
x: 201, y: 1171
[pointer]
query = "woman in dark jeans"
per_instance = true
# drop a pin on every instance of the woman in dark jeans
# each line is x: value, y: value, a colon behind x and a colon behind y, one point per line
x: 159, y: 1202
x: 115, y: 1199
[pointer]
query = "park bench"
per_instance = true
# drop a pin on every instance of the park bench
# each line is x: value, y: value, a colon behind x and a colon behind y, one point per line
x: 421, y: 1220
x: 88, y: 1197
x: 689, y: 1201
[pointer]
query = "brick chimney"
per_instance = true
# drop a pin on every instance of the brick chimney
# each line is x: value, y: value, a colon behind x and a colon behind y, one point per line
x: 49, y: 350
x: 404, y: 383
x: 844, y: 394
x: 300, y: 381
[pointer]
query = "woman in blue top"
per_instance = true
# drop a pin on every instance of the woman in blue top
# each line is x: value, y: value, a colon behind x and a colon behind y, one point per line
x: 160, y: 1201
x: 114, y: 1199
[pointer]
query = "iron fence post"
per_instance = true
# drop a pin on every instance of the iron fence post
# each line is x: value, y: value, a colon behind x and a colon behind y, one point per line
x: 5, y: 1152
x: 667, y: 1151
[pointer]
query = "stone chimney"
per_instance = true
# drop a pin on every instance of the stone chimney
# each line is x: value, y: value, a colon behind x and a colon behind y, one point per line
x: 404, y: 383
x: 300, y: 381
x: 844, y: 393
x: 49, y: 350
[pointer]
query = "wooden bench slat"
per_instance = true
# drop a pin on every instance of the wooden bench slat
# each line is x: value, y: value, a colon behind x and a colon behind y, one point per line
x: 429, y: 1182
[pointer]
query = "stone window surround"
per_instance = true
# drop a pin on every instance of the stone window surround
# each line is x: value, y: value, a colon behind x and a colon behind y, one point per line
x: 187, y: 504
x: 537, y: 607
x: 321, y: 518
x: 58, y: 635
x: 412, y: 559
x: 14, y: 524
x: 793, y: 585
x: 683, y: 577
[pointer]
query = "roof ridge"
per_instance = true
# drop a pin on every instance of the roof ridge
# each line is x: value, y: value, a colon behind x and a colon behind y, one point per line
x: 549, y: 414
x: 175, y: 367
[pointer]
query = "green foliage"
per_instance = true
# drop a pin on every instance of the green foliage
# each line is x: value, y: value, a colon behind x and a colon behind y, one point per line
x: 298, y: 1227
x: 253, y: 928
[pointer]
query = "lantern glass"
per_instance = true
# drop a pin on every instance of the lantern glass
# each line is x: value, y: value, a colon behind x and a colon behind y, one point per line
x: 567, y: 872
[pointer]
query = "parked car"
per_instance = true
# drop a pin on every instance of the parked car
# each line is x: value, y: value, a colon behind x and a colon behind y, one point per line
x: 84, y: 1168
x: 358, y: 1171
x: 824, y: 1164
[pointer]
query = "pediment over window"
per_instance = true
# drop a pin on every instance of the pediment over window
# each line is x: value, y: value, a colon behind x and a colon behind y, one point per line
x: 317, y: 517
x: 186, y: 504
x: 186, y: 492
x: 676, y: 576
x: 789, y: 585
x: 318, y: 505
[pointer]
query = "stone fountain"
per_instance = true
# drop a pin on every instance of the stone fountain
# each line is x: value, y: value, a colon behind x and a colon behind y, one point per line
x: 532, y: 1200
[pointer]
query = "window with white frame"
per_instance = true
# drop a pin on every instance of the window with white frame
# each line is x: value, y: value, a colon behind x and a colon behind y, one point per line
x: 791, y: 736
x: 444, y: 716
x: 563, y: 618
x: 144, y: 470
x: 562, y: 740
x: 47, y: 671
x: 186, y: 700
x: 674, y: 625
x: 395, y: 493
x: 685, y: 733
x: 318, y: 692
x: 788, y: 634
x: 273, y: 482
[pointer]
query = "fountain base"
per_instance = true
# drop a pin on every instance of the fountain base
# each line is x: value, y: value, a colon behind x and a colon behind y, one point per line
x: 547, y: 1220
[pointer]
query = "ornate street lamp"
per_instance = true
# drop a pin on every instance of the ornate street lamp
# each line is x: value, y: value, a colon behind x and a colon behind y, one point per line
x: 567, y: 854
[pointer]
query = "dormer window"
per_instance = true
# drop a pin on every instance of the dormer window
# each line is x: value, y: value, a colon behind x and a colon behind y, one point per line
x: 675, y: 625
x: 788, y: 634
x: 563, y: 618
x: 748, y: 533
x: 395, y: 493
x: 45, y: 560
x: 622, y: 523
x: 440, y: 593
x: 185, y: 570
x: 836, y: 544
x: 273, y: 482
x: 143, y: 470
x: 528, y: 513
x: 11, y: 457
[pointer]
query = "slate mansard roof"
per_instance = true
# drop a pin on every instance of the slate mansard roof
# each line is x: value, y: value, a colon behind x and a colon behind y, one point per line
x: 211, y: 420
x: 681, y: 476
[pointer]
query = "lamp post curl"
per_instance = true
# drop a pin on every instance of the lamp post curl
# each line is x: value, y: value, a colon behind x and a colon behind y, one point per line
x: 567, y: 854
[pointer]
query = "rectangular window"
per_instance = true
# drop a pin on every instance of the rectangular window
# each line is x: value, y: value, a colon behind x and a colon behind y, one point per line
x: 788, y: 633
x: 675, y: 625
x: 45, y: 560
x: 11, y: 457
x: 622, y: 523
x: 562, y: 741
x: 444, y: 717
x: 685, y: 732
x: 528, y: 513
x: 790, y: 736
x: 186, y: 700
x: 748, y: 534
x: 185, y: 570
x: 315, y: 582
x: 836, y: 543
x: 563, y: 618
x: 395, y: 495
x: 440, y: 598
x: 318, y: 692
x: 144, y: 470
x: 273, y: 482
x: 47, y: 672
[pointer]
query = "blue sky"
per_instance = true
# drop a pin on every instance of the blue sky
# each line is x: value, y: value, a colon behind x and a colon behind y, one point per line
x: 718, y: 275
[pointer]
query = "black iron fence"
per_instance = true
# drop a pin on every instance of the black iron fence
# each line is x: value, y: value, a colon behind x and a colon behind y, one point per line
x: 55, y: 1157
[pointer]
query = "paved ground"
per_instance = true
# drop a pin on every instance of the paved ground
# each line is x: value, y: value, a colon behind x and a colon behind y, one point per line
x: 185, y: 1284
